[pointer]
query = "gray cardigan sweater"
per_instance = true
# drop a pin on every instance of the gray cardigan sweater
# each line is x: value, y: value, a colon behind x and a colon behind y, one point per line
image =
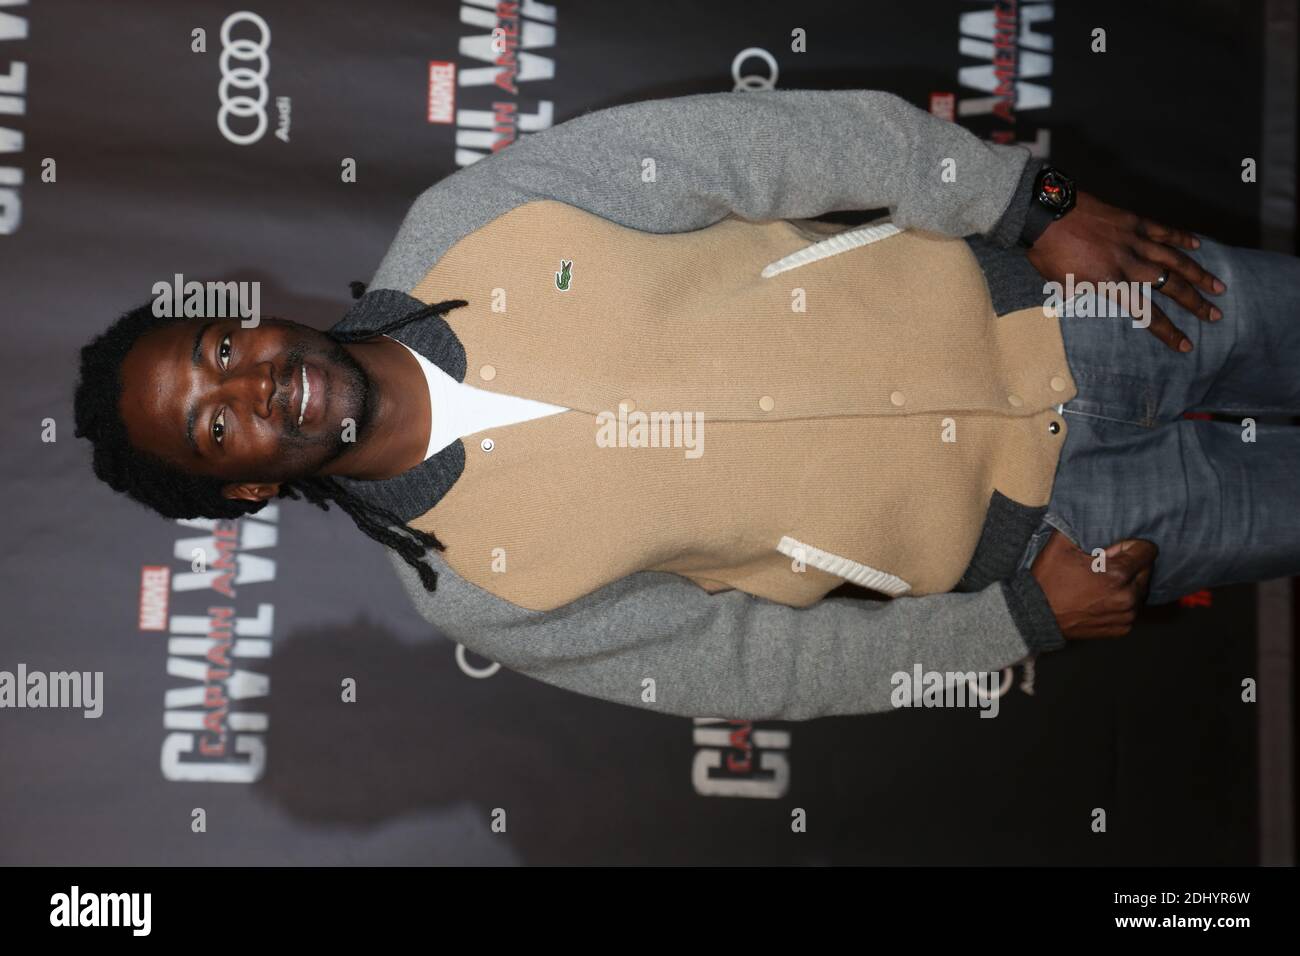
x: 785, y: 154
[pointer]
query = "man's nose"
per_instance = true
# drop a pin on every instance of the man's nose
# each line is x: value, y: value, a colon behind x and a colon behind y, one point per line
x: 255, y: 386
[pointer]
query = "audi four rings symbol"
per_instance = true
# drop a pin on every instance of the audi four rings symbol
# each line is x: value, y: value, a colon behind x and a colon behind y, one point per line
x: 753, y: 81
x: 243, y: 105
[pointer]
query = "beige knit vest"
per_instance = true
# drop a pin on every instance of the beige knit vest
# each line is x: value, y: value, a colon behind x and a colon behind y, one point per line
x: 860, y: 403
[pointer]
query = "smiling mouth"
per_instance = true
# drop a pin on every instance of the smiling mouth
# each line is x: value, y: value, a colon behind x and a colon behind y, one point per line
x: 306, y: 394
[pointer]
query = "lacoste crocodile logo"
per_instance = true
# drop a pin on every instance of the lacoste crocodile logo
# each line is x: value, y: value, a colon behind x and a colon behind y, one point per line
x: 564, y: 275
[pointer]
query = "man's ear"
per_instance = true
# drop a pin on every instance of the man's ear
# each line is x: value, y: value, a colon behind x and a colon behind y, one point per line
x: 252, y: 490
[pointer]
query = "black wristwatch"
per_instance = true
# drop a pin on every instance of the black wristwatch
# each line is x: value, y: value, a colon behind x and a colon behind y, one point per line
x: 1053, y: 197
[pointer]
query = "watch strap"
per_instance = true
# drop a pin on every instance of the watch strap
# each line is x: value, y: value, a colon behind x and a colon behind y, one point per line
x: 1037, y: 219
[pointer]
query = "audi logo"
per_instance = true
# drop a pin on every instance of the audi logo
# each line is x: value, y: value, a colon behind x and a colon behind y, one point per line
x: 480, y: 672
x: 753, y: 81
x: 253, y: 78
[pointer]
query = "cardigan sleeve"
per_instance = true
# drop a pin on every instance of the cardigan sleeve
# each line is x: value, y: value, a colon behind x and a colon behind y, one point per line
x: 677, y: 164
x: 683, y: 163
x: 733, y: 655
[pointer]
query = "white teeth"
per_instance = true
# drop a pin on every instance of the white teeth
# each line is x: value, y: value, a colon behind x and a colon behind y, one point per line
x: 306, y: 394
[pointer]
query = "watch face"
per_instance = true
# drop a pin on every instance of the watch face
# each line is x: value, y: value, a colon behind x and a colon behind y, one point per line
x: 1055, y: 191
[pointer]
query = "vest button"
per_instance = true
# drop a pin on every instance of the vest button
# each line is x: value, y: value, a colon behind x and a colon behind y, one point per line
x: 767, y: 403
x: 487, y: 444
x: 1054, y: 427
x: 1015, y: 400
x: 1058, y: 384
x: 897, y: 398
x: 487, y: 373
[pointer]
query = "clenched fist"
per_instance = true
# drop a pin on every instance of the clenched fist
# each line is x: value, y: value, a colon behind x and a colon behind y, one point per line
x: 1090, y: 603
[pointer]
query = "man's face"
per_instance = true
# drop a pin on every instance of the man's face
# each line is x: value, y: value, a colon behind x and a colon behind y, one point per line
x: 220, y: 400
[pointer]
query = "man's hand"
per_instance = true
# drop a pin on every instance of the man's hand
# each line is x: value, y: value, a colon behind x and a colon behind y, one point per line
x: 1091, y: 603
x: 1102, y: 243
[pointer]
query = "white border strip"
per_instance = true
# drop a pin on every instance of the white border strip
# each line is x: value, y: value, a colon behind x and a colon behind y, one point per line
x: 843, y: 567
x: 1274, y: 619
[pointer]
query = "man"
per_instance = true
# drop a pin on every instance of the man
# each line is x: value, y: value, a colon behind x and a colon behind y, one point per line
x: 884, y: 406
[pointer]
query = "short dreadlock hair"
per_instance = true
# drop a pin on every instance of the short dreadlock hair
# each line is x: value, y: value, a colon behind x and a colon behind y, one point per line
x: 173, y: 493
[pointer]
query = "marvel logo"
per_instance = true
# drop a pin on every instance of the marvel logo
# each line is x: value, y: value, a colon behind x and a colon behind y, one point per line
x: 442, y: 91
x: 155, y: 591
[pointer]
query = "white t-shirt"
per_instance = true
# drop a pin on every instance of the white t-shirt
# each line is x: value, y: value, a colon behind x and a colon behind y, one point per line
x: 459, y: 409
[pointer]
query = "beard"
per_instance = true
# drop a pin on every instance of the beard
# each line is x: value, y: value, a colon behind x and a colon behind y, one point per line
x: 349, y: 391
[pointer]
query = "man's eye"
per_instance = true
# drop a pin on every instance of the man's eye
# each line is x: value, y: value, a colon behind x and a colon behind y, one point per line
x: 223, y: 351
x: 219, y: 426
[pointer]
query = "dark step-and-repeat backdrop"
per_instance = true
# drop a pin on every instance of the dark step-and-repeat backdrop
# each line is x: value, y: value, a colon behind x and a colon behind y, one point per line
x: 127, y: 156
